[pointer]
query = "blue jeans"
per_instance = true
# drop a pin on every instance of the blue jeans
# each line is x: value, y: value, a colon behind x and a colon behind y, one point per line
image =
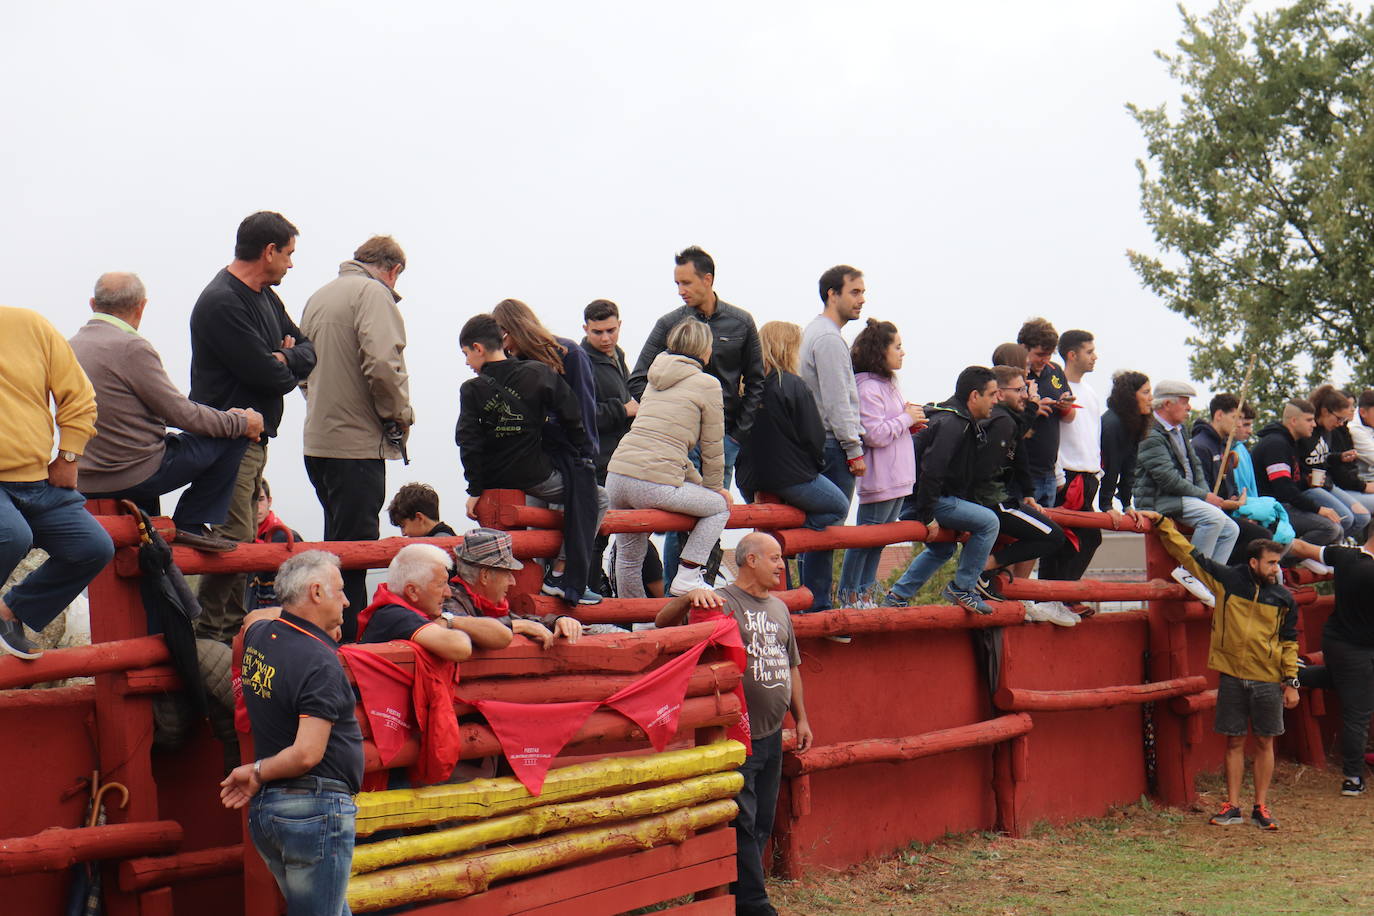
x: 957, y: 515
x: 1045, y: 489
x: 1328, y: 499
x: 209, y: 465
x: 758, y: 802
x: 305, y: 836
x: 824, y: 503
x: 1214, y: 532
x: 673, y: 540
x: 817, y: 568
x: 39, y: 514
x: 860, y: 570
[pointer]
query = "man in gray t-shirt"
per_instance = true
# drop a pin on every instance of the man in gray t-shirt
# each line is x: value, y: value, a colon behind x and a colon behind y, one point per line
x: 772, y: 688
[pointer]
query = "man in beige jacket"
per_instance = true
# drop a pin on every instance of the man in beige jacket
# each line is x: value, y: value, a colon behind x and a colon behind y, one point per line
x: 357, y: 399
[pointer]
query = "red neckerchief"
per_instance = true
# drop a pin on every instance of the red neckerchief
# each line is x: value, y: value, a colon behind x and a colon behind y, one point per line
x: 269, y: 524
x: 381, y: 598
x: 483, y: 605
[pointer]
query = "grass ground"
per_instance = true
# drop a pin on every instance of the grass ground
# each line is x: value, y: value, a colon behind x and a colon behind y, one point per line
x: 1137, y: 860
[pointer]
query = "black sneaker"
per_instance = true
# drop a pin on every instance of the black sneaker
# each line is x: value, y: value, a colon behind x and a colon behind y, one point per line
x: 1228, y: 815
x: 966, y: 600
x: 892, y: 599
x: 987, y: 585
x: 553, y: 586
x: 13, y: 640
x: 1353, y: 788
x: 1263, y: 820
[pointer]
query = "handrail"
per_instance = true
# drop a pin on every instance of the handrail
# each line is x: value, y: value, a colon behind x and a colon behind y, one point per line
x: 1018, y: 699
x: 911, y: 747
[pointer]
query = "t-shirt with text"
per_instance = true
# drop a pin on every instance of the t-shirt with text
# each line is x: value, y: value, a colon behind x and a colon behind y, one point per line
x: 766, y: 629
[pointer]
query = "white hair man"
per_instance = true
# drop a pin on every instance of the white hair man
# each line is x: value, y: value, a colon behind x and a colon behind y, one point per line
x: 772, y: 687
x: 309, y: 745
x: 1170, y: 480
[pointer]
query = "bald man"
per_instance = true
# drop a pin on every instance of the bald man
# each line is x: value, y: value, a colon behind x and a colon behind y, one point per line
x: 133, y: 456
x: 772, y: 688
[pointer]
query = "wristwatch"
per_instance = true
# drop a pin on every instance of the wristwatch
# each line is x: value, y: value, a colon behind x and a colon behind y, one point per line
x: 67, y: 456
x: 1292, y: 682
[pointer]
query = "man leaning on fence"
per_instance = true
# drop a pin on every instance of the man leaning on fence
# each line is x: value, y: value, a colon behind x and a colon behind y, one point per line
x: 309, y: 747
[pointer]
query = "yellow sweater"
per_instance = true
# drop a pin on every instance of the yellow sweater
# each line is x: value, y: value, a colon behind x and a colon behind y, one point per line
x: 37, y: 368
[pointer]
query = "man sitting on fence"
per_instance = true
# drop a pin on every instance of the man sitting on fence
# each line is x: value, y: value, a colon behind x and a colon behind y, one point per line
x: 133, y: 456
x: 1171, y: 480
x: 772, y: 687
x: 307, y: 738
x: 1255, y: 647
x: 947, y: 451
x: 415, y: 510
x: 485, y: 570
x: 39, y: 505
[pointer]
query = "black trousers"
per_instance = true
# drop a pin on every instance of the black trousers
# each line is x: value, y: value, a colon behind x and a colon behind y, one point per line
x: 758, y: 802
x: 351, y: 492
x: 1352, y: 672
x: 1036, y: 536
x: 1068, y: 563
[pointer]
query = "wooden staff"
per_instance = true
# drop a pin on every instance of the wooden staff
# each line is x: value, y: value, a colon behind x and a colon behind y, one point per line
x: 1231, y: 437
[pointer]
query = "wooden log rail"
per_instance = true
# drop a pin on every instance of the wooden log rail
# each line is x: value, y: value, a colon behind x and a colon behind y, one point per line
x: 500, y: 514
x: 83, y: 661
x: 59, y: 847
x: 895, y: 619
x: 1017, y: 699
x: 140, y: 874
x: 912, y: 747
x: 625, y: 611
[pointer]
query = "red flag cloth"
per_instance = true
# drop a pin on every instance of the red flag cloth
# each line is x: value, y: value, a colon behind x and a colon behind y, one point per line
x: 441, y: 739
x: 654, y: 701
x: 1073, y: 499
x: 726, y: 635
x: 385, y: 689
x: 533, y: 734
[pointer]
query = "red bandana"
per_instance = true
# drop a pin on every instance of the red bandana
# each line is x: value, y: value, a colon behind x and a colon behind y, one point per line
x: 483, y: 606
x: 381, y: 598
x: 270, y: 524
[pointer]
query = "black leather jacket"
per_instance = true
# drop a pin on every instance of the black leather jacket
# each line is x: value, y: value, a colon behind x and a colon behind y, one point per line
x: 736, y: 356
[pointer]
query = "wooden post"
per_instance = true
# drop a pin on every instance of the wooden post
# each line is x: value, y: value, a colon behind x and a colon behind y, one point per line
x: 1168, y: 660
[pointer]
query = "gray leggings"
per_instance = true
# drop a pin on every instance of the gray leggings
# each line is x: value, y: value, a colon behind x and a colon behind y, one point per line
x: 689, y: 499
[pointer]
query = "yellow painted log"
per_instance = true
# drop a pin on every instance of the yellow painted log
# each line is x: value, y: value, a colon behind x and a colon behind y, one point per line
x: 483, y: 798
x: 545, y: 819
x: 473, y: 873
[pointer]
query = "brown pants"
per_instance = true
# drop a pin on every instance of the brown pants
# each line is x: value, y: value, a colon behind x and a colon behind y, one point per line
x: 221, y: 596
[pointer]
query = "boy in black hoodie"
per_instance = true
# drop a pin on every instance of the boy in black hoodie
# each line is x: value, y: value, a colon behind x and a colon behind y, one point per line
x: 947, y: 452
x: 1281, y: 474
x: 501, y: 416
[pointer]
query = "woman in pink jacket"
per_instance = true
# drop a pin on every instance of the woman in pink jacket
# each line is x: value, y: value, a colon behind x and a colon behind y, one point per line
x: 888, y: 421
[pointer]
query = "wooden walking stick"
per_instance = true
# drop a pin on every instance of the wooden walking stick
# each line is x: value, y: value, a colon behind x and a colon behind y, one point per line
x: 1231, y: 437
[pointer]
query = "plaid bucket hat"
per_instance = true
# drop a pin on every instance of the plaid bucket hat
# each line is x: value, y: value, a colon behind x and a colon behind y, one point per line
x: 488, y: 547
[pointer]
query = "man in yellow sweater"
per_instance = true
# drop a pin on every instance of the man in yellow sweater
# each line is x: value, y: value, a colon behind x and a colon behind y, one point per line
x: 39, y: 504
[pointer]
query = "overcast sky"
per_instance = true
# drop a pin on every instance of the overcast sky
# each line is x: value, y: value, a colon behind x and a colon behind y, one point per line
x: 975, y: 160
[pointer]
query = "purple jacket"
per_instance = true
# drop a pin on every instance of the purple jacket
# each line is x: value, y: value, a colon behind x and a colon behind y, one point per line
x: 888, y: 451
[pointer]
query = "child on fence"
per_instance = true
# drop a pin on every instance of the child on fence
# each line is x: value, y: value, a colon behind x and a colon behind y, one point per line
x: 1255, y: 647
x: 501, y: 416
x: 888, y: 420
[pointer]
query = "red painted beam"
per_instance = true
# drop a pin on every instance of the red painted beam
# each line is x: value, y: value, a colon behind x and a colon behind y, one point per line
x: 707, y: 679
x: 1194, y: 703
x: 50, y: 698
x: 1016, y: 699
x: 602, y: 727
x: 802, y: 540
x: 750, y: 515
x: 1068, y: 518
x: 912, y: 747
x: 897, y: 619
x: 79, y: 661
x: 1093, y: 590
x: 629, y: 610
x: 158, y: 871
x: 58, y: 847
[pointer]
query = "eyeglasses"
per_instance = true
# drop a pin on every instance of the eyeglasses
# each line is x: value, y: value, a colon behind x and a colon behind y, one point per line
x: 1022, y: 388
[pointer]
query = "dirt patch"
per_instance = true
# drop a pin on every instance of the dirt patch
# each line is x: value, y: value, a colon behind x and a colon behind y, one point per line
x: 1137, y: 860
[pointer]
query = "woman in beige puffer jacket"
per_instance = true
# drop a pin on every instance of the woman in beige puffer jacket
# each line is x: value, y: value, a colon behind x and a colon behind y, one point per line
x: 650, y: 469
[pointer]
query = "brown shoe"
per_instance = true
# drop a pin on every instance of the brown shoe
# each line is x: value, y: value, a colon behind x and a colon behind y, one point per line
x: 207, y: 542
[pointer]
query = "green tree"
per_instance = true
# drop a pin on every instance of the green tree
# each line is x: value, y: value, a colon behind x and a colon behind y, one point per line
x: 1260, y: 194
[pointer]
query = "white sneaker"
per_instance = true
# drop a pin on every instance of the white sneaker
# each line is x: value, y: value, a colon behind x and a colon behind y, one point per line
x: 1318, y: 567
x: 688, y: 578
x: 1063, y: 617
x: 1040, y: 612
x: 1194, y: 587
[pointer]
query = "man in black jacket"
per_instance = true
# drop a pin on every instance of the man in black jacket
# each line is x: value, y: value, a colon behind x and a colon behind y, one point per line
x: 245, y: 352
x: 1280, y: 474
x: 615, y: 411
x: 947, y: 451
x: 736, y: 360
